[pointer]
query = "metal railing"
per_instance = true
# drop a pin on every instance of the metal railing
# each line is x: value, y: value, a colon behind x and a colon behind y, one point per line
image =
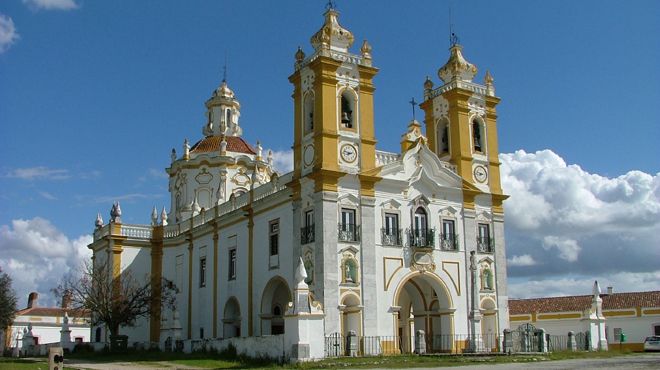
x: 485, y: 244
x: 337, y: 345
x: 307, y: 234
x: 448, y: 242
x: 390, y: 237
x: 421, y: 238
x: 348, y: 232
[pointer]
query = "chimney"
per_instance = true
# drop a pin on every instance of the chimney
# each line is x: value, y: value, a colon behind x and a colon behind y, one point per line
x: 610, y: 290
x: 32, y: 299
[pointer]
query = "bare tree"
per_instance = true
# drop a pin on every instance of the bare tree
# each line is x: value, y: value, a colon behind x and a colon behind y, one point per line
x: 113, y: 299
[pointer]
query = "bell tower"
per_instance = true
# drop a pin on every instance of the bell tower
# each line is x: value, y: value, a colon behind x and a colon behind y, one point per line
x: 461, y: 123
x: 333, y: 107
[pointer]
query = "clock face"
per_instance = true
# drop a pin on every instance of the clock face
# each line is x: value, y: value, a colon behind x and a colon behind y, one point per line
x: 480, y: 173
x: 308, y: 155
x: 348, y: 153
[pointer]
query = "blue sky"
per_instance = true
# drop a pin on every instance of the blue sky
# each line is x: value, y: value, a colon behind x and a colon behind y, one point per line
x: 94, y: 94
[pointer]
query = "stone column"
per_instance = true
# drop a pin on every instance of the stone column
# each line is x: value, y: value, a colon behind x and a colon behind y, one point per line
x: 420, y: 342
x: 476, y: 342
x: 368, y: 267
x: 500, y: 271
x: 571, y: 345
x: 326, y: 263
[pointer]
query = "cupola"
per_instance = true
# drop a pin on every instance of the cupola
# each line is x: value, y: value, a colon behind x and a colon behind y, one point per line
x: 223, y: 112
x: 332, y: 35
x: 457, y: 68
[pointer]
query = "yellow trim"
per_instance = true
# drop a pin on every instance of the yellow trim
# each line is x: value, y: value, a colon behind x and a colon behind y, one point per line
x: 533, y: 316
x: 250, y: 266
x: 639, y: 311
x: 216, y: 237
x: 456, y: 285
x: 619, y: 313
x: 386, y: 281
x: 190, y: 274
x: 558, y: 316
x: 156, y: 282
x: 652, y: 311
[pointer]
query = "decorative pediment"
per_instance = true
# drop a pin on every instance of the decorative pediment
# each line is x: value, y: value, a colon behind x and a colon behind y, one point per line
x: 348, y: 200
x: 448, y: 211
x: 390, y: 204
x: 421, y: 200
x: 486, y: 260
x: 484, y: 216
x: 350, y: 250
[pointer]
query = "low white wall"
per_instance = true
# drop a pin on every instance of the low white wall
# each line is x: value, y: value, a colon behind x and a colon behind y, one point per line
x: 270, y: 346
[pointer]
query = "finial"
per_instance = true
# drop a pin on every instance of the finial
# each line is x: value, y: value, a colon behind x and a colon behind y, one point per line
x: 154, y: 217
x: 259, y: 150
x: 413, y: 103
x: 300, y: 55
x: 366, y: 49
x: 115, y: 213
x: 270, y: 158
x: 428, y: 84
x: 301, y: 274
x: 488, y: 81
x: 173, y: 155
x: 99, y: 221
x: 596, y: 290
x: 186, y: 149
x: 163, y: 217
x: 223, y: 145
x: 195, y: 206
x: 330, y: 5
x: 454, y: 40
x: 224, y: 70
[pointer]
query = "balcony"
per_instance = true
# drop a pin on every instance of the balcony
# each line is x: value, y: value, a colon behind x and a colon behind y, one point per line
x: 390, y: 237
x: 421, y: 238
x: 448, y: 242
x: 485, y: 244
x: 348, y: 233
x: 307, y: 234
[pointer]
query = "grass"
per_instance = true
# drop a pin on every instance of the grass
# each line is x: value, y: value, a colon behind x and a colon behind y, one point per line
x: 20, y: 364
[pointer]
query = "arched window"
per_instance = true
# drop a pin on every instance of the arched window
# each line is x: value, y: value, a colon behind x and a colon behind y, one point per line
x: 443, y: 136
x: 477, y: 136
x: 308, y: 113
x: 420, y: 221
x: 346, y: 110
x: 277, y: 311
x: 228, y: 116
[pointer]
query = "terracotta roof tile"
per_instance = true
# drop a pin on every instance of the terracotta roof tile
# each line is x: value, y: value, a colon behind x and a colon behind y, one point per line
x: 212, y: 144
x: 613, y: 301
x: 48, y: 311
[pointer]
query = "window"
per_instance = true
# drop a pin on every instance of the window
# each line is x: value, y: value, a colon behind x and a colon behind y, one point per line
x: 420, y: 235
x: 656, y: 330
x: 232, y: 264
x: 476, y: 136
x: 201, y: 333
x: 274, y: 237
x: 308, y: 114
x: 391, y: 234
x: 448, y: 236
x: 346, y: 110
x: 348, y: 231
x: 228, y: 116
x: 202, y: 272
x: 307, y: 231
x: 484, y: 242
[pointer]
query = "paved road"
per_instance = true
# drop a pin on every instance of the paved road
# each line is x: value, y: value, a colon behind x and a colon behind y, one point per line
x: 645, y: 361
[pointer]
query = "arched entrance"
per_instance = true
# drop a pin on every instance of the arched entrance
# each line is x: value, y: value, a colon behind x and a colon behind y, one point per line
x: 423, y: 303
x: 231, y: 319
x: 351, y: 314
x: 274, y: 300
x: 489, y: 324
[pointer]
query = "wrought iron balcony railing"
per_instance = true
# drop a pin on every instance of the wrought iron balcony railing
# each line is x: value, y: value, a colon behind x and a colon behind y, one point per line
x: 390, y: 237
x: 448, y: 242
x: 307, y: 234
x: 421, y: 238
x: 348, y: 233
x: 485, y: 244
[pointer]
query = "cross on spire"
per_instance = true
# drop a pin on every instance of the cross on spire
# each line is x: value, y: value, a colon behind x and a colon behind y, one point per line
x: 224, y: 71
x: 413, y: 103
x: 330, y: 5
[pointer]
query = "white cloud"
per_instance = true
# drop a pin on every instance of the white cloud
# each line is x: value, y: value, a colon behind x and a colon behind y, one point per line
x: 47, y: 195
x: 51, y: 4
x: 523, y: 260
x: 39, y: 173
x: 569, y: 221
x: 36, y: 255
x: 283, y: 160
x: 8, y: 34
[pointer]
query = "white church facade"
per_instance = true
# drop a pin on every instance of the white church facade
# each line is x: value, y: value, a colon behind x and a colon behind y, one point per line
x: 391, y: 243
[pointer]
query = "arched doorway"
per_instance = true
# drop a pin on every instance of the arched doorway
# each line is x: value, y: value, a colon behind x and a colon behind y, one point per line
x: 351, y: 314
x: 231, y: 319
x: 274, y: 300
x: 489, y: 324
x: 424, y: 303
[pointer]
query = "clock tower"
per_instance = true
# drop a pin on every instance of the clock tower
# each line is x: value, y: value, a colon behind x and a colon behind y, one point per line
x: 333, y: 107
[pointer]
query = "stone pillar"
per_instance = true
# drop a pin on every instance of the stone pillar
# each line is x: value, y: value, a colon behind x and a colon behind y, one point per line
x: 368, y: 267
x: 500, y: 271
x: 596, y: 322
x: 352, y: 343
x: 571, y: 345
x: 65, y: 333
x: 476, y: 342
x: 507, y: 345
x: 303, y: 322
x: 543, y: 344
x: 420, y: 342
x: 326, y: 261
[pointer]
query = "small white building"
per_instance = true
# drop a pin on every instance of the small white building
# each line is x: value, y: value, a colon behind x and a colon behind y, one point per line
x: 636, y: 314
x: 40, y: 326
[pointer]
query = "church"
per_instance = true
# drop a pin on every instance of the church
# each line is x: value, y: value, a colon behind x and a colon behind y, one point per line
x: 354, y: 241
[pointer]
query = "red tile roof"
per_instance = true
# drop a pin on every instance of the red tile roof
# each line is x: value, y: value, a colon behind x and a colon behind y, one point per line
x: 613, y: 301
x: 49, y: 311
x: 212, y: 144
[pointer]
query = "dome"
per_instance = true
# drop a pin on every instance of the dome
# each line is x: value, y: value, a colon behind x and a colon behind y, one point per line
x: 212, y: 144
x: 223, y: 91
x: 457, y: 67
